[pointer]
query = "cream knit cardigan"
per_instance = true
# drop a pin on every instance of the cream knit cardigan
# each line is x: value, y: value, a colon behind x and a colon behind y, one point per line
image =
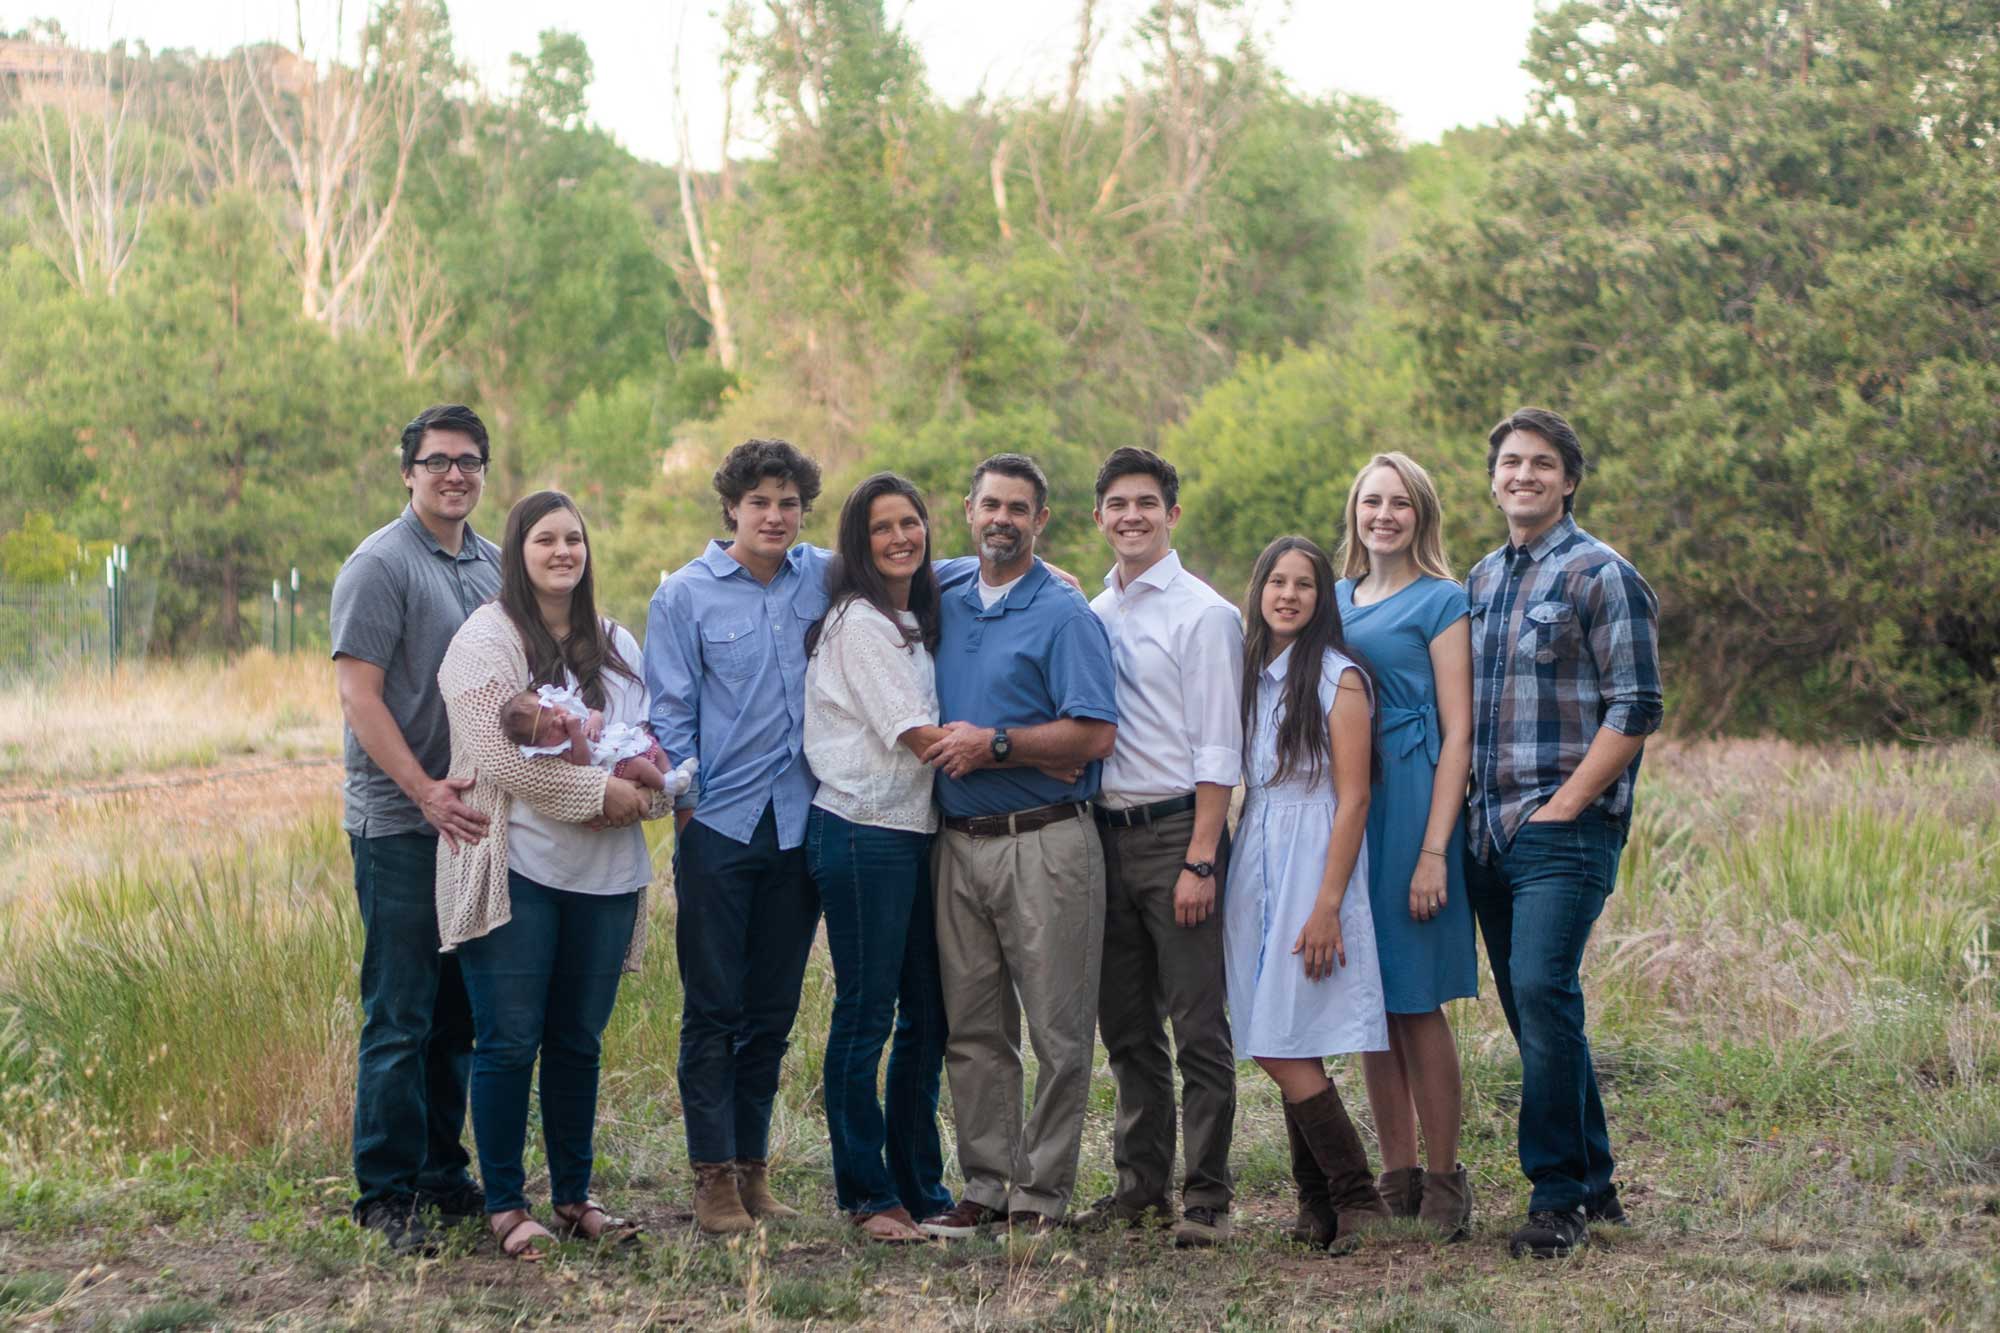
x: 485, y: 666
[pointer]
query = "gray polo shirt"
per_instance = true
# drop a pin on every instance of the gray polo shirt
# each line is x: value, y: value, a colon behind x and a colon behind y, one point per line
x: 397, y: 603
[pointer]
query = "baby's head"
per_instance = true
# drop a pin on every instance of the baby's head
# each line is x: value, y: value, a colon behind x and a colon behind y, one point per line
x: 527, y: 721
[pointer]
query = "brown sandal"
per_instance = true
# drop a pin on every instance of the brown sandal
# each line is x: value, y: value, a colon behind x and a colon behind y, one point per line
x: 507, y: 1228
x: 896, y: 1217
x: 589, y: 1221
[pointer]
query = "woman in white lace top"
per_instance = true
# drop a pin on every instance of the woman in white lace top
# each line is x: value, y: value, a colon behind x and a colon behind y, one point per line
x: 548, y: 909
x: 871, y: 711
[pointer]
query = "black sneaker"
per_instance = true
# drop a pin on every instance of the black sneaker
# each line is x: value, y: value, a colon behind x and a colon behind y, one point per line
x: 1028, y: 1222
x: 1605, y: 1210
x: 1550, y: 1235
x: 1107, y: 1212
x: 454, y: 1206
x: 399, y: 1225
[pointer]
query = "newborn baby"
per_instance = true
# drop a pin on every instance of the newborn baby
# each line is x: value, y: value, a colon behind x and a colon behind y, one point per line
x: 551, y: 720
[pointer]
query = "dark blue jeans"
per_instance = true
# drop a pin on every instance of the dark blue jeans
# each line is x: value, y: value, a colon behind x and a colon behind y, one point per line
x: 544, y: 982
x: 742, y: 933
x: 875, y: 884
x: 416, y: 1030
x: 1536, y: 904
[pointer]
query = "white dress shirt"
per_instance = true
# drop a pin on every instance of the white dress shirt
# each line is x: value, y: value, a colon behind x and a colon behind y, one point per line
x: 1178, y: 648
x: 864, y: 688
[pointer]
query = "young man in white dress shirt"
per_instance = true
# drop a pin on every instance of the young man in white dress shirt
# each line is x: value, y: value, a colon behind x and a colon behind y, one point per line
x: 1177, y: 646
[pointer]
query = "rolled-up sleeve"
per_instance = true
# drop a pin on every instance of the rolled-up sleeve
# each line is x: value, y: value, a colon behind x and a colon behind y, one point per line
x: 1624, y: 642
x: 673, y: 676
x: 1211, y: 664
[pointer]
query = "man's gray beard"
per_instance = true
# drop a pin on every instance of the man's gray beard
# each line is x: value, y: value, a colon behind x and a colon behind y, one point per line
x: 1002, y: 548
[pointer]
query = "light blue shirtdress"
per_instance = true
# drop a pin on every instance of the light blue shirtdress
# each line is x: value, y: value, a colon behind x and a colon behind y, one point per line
x: 1274, y: 875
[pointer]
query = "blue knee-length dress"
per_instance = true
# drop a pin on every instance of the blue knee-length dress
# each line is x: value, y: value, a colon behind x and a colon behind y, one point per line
x: 1424, y: 963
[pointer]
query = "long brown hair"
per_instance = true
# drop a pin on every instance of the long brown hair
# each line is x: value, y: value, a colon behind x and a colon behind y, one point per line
x: 1303, y: 744
x: 588, y: 651
x: 852, y: 576
x: 1426, y: 543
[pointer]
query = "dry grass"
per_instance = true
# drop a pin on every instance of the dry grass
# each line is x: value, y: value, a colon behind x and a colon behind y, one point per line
x: 100, y: 725
x: 1792, y: 1007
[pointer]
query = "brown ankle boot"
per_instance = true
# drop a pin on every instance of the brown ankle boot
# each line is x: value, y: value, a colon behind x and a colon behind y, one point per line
x: 1402, y: 1189
x: 718, y: 1208
x: 1350, y: 1185
x: 1315, y: 1225
x: 1447, y: 1205
x: 753, y: 1185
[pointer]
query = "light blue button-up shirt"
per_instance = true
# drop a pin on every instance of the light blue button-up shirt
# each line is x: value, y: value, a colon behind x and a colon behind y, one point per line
x: 726, y: 667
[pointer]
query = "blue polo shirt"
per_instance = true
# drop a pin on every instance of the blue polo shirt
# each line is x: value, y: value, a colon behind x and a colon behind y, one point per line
x: 725, y: 663
x: 1036, y: 655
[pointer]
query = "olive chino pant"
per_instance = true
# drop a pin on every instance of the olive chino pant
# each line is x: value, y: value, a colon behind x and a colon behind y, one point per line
x: 1020, y: 921
x: 1155, y: 972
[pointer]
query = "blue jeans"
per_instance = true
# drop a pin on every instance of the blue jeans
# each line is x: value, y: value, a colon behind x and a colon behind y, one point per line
x: 875, y: 884
x: 1536, y: 904
x: 544, y: 982
x: 416, y: 1031
x: 743, y: 931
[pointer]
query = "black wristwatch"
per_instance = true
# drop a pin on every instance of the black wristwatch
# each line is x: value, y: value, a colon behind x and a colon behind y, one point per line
x: 1202, y: 869
x: 1002, y: 747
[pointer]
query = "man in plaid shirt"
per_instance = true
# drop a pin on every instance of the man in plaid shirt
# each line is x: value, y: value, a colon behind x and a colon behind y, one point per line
x: 1566, y: 688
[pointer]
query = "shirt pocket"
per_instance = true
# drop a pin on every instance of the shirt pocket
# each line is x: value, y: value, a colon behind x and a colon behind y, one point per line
x: 1548, y: 633
x: 731, y: 649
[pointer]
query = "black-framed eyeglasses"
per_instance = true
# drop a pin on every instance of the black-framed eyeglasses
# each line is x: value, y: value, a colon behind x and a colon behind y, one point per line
x: 471, y: 465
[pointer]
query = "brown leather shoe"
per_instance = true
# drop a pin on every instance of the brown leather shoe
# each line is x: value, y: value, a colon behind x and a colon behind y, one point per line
x: 1336, y: 1146
x: 1315, y: 1224
x: 718, y: 1208
x: 1402, y: 1189
x: 753, y: 1185
x: 1447, y: 1205
x: 964, y: 1218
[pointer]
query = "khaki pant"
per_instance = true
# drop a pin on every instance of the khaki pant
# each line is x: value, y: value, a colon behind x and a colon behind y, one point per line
x: 1020, y: 921
x: 1155, y: 972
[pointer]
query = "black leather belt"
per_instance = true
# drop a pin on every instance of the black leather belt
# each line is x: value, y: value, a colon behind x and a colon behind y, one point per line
x: 1020, y: 821
x: 1144, y: 814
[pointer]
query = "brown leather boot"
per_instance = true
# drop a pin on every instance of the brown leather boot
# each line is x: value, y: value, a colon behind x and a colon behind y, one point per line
x: 1447, y: 1205
x: 718, y: 1208
x: 1350, y: 1185
x: 1315, y: 1225
x: 1402, y: 1189
x: 753, y: 1185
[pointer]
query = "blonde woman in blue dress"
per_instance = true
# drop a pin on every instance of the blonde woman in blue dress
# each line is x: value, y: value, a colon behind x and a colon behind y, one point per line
x: 1299, y: 946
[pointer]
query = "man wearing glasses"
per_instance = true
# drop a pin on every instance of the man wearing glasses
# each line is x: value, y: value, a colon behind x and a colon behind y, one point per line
x: 396, y: 604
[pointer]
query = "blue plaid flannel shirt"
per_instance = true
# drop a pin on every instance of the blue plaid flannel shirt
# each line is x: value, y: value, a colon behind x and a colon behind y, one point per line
x: 1565, y: 641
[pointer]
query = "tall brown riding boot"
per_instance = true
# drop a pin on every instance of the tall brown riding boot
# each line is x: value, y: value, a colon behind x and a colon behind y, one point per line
x: 718, y: 1208
x: 1447, y: 1206
x: 1315, y: 1225
x: 753, y: 1184
x: 1350, y: 1185
x: 1402, y: 1189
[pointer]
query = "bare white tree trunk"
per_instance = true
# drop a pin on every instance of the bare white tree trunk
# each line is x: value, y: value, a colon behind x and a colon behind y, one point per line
x: 97, y: 166
x: 702, y: 250
x: 343, y: 117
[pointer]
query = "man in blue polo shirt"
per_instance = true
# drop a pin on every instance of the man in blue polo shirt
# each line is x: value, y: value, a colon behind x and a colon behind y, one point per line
x: 1027, y: 693
x: 725, y: 665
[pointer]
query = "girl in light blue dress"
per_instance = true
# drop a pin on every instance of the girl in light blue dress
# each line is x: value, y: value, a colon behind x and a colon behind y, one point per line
x: 1299, y: 942
x: 1403, y: 610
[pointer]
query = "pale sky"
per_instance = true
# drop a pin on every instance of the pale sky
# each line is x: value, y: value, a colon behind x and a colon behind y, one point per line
x: 1437, y: 63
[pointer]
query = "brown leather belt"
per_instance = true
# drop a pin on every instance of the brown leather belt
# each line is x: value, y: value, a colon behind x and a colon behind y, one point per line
x: 1021, y: 821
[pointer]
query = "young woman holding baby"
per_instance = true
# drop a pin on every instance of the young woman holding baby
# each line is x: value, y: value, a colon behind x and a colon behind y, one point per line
x: 548, y: 910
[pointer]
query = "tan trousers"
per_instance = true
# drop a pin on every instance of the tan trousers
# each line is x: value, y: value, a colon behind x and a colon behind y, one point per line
x: 1020, y: 922
x: 1157, y: 972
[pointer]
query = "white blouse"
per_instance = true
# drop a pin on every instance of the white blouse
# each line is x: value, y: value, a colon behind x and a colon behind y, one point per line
x: 864, y: 688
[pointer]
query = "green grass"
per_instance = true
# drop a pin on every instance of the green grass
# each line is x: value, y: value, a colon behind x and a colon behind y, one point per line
x: 1793, y: 1011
